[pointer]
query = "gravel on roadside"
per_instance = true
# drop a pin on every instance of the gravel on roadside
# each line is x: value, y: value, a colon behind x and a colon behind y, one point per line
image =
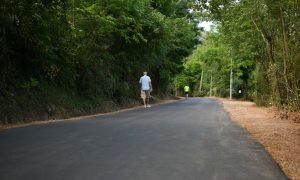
x: 281, y: 138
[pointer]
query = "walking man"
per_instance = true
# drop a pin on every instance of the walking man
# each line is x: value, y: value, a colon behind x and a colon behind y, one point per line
x: 146, y: 88
x: 186, y: 91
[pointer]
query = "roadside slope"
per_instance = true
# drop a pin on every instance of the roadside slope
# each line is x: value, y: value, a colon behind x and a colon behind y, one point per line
x: 108, y: 111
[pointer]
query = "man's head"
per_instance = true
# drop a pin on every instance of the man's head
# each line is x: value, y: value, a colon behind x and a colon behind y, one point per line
x: 145, y: 72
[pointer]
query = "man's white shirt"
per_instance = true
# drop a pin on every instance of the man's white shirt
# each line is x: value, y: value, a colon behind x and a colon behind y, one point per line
x: 145, y: 82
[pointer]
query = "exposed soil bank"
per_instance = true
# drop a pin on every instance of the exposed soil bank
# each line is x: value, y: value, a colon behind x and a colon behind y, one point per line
x: 70, y: 116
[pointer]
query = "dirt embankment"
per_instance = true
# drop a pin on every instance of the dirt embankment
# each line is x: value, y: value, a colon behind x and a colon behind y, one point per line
x: 280, y: 137
x: 67, y: 116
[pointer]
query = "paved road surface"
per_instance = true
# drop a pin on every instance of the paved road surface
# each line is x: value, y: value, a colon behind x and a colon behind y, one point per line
x: 190, y: 139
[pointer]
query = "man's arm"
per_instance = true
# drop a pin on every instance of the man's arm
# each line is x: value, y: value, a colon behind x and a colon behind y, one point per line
x: 150, y: 85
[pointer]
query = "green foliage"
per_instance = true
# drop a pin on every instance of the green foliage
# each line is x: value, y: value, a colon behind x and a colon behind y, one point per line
x: 30, y: 84
x: 262, y: 39
x: 212, y: 59
x: 79, y: 54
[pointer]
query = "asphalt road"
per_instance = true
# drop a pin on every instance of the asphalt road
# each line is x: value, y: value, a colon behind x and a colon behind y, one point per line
x: 190, y: 139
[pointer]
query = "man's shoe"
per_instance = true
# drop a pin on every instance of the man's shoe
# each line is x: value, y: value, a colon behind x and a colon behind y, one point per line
x: 148, y: 106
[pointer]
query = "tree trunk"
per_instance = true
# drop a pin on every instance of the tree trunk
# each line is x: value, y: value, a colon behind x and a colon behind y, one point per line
x: 299, y: 6
x: 268, y: 40
x: 270, y: 50
x: 245, y: 88
x: 286, y: 62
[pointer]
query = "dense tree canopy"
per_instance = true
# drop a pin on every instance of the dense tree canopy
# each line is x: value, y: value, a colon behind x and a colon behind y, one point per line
x: 75, y: 54
x: 262, y: 40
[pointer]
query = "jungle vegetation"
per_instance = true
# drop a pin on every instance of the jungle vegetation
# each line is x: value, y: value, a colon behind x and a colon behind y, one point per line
x: 68, y: 57
x: 62, y: 58
x: 260, y: 40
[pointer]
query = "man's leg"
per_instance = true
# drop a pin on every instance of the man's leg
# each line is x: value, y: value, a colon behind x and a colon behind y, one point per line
x: 147, y: 102
x: 148, y: 98
x: 144, y: 101
x: 143, y: 96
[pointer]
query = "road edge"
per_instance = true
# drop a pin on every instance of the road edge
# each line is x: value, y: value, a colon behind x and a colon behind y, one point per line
x: 50, y: 121
x: 259, y: 141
